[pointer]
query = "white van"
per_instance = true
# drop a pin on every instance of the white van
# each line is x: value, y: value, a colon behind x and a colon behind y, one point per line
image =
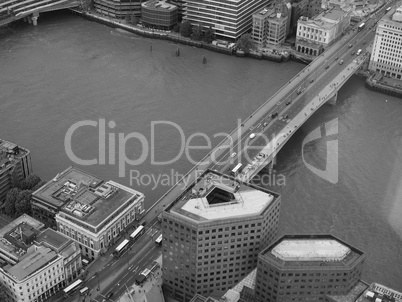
x: 358, y: 52
x: 252, y: 135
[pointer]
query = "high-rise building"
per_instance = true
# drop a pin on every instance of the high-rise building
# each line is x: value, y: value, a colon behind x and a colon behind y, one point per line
x: 313, y: 8
x: 307, y: 267
x: 386, y: 57
x: 271, y: 25
x: 299, y: 8
x: 159, y: 14
x: 229, y: 20
x: 15, y: 166
x: 119, y: 8
x: 35, y: 262
x: 213, y: 233
x: 316, y: 34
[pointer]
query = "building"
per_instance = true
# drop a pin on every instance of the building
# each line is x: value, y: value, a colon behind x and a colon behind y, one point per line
x: 229, y: 19
x: 271, y: 26
x: 213, y: 233
x: 159, y: 14
x: 315, y: 35
x: 35, y: 262
x: 94, y: 213
x: 307, y: 267
x: 386, y: 56
x: 299, y: 9
x: 382, y: 293
x: 118, y: 8
x: 313, y: 8
x: 15, y: 166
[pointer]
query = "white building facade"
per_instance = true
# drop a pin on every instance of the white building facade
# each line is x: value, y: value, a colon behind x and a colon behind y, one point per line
x: 386, y: 57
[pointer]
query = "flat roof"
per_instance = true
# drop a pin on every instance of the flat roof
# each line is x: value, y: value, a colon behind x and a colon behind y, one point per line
x: 326, y: 19
x: 311, y: 250
x: 216, y: 196
x: 94, y: 206
x: 31, y: 263
x: 9, y: 247
x: 53, y: 239
x: 56, y: 193
x: 161, y: 4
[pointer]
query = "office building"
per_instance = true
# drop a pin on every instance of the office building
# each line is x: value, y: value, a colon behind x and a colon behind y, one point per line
x: 386, y: 56
x: 299, y: 9
x: 380, y: 293
x: 306, y: 268
x: 36, y: 262
x: 313, y: 8
x: 118, y: 8
x: 271, y: 25
x: 229, y: 19
x: 15, y: 166
x: 213, y: 232
x: 159, y: 14
x: 316, y: 34
x: 92, y: 212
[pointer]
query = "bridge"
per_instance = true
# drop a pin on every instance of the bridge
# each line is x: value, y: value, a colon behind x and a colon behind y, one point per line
x: 257, y: 140
x: 29, y: 10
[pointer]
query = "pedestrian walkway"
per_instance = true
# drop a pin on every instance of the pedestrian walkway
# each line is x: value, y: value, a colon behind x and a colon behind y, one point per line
x: 149, y: 291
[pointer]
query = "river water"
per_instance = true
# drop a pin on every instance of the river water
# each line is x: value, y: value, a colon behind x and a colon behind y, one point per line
x: 68, y: 70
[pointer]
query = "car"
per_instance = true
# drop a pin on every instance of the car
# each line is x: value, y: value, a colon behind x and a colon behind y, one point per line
x: 286, y: 116
x: 252, y: 135
x: 274, y: 115
x: 109, y: 295
x: 233, y: 154
x: 364, y: 42
x: 287, y: 103
x: 265, y: 124
x: 350, y: 45
x: 326, y: 67
x: 352, y: 53
x: 312, y: 80
x: 340, y: 62
x: 336, y: 59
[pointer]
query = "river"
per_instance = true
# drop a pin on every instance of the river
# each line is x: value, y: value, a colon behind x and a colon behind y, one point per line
x: 68, y: 70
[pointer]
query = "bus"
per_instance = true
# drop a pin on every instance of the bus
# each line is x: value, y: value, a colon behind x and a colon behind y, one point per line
x: 121, y: 248
x: 72, y: 288
x: 361, y: 26
x: 158, y: 241
x: 84, y: 291
x: 137, y: 233
x: 236, y: 170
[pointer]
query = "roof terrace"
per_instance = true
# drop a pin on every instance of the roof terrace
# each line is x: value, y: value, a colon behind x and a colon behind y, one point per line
x: 9, y: 152
x: 162, y: 4
x: 217, y: 196
x: 65, y: 186
x: 311, y: 250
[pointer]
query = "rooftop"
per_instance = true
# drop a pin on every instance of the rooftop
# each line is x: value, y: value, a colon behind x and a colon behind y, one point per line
x: 52, y: 239
x: 12, y: 235
x: 64, y: 186
x: 94, y: 206
x: 215, y: 196
x: 162, y: 4
x: 352, y: 295
x: 311, y: 250
x: 326, y: 19
x: 31, y: 263
x: 9, y: 152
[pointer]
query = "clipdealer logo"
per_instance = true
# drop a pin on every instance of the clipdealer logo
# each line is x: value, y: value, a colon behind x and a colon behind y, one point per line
x: 330, y: 173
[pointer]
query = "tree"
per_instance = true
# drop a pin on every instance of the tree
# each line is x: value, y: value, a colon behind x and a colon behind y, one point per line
x: 196, y: 33
x: 31, y: 181
x: 186, y: 29
x: 134, y: 20
x: 11, y: 198
x: 38, y: 185
x: 23, y: 204
x: 209, y: 35
x: 176, y: 28
x: 127, y: 18
x: 245, y: 43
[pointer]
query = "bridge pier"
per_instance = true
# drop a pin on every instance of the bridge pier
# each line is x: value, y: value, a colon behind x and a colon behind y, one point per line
x: 332, y: 100
x: 35, y: 17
